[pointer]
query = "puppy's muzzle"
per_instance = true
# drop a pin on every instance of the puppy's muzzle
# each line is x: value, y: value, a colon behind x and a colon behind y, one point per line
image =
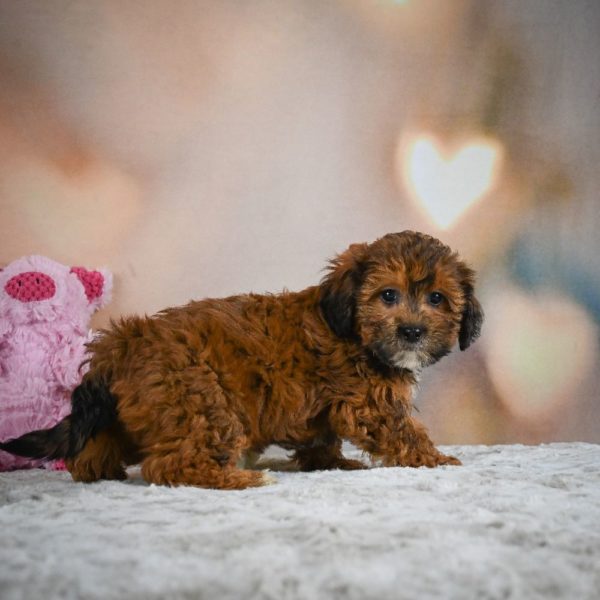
x: 412, y: 333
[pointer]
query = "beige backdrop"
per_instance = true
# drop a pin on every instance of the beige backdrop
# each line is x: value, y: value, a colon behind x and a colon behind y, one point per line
x: 207, y: 148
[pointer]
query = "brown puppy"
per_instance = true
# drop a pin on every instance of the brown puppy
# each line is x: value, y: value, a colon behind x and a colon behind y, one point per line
x: 188, y: 391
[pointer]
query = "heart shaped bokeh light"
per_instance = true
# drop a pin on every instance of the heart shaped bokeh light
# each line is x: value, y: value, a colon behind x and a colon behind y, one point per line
x: 446, y: 179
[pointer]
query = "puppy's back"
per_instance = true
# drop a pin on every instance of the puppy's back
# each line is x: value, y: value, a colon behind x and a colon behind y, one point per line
x: 248, y: 329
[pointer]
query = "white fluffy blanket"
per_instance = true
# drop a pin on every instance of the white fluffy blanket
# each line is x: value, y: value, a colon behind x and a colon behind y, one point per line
x: 513, y: 522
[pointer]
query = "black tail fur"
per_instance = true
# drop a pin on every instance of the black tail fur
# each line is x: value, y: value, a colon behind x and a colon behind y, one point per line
x: 93, y: 408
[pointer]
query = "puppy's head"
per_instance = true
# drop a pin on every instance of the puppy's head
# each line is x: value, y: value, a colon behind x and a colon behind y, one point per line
x: 406, y: 297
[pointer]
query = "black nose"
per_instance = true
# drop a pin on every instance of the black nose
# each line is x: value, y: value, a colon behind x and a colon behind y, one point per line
x: 411, y: 333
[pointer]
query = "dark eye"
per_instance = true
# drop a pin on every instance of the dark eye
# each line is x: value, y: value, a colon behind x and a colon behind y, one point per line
x: 435, y: 298
x: 390, y: 296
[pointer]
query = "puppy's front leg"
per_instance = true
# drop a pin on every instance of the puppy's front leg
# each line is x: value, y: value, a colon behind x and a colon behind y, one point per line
x: 417, y: 449
x: 387, y: 432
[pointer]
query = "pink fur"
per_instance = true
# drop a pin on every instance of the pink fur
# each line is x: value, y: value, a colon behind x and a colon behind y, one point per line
x: 42, y: 344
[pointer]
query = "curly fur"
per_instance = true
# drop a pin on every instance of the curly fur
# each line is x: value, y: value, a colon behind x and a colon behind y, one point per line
x: 197, y: 387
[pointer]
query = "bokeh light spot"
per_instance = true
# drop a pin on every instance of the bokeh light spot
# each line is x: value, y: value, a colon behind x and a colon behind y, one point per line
x: 445, y: 182
x: 539, y: 350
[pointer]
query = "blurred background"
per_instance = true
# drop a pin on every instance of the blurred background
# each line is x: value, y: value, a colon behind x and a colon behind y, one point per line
x: 209, y: 148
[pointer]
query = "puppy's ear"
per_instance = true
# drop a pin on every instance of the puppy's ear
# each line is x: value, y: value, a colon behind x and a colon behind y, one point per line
x: 472, y: 317
x: 339, y: 288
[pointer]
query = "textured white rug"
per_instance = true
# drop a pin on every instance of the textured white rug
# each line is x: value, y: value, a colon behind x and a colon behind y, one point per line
x: 513, y: 522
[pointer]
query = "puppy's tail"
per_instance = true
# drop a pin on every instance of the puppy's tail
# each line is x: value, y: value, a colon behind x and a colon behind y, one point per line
x: 94, y: 408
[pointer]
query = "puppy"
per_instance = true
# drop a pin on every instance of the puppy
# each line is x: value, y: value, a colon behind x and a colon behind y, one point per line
x: 188, y: 392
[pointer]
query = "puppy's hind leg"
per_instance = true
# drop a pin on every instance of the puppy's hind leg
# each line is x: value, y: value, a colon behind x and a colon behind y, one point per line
x: 205, y: 442
x: 101, y: 458
x: 205, y: 456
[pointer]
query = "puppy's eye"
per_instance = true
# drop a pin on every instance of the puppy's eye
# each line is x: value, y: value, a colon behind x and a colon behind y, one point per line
x: 435, y: 298
x: 390, y: 296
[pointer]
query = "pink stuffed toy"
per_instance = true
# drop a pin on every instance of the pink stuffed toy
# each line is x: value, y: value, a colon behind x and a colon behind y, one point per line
x: 45, y: 310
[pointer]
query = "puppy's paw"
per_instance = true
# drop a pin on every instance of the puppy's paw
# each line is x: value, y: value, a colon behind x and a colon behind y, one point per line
x: 267, y: 478
x: 419, y: 459
x: 448, y: 460
x: 349, y: 464
x: 94, y: 470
